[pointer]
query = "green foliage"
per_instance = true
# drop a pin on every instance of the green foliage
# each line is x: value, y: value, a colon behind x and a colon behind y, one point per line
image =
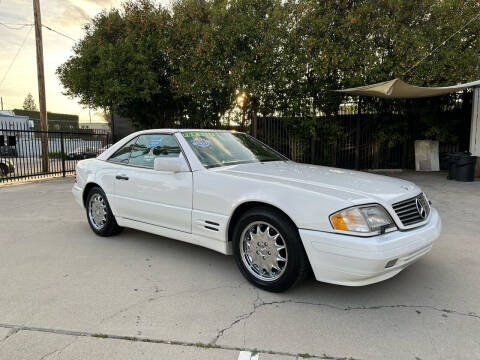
x: 122, y: 64
x: 196, y: 50
x: 304, y: 355
x: 29, y: 103
x: 186, y: 67
x: 54, y: 154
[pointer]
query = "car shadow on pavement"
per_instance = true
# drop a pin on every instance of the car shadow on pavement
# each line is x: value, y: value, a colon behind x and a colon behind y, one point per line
x: 407, y: 287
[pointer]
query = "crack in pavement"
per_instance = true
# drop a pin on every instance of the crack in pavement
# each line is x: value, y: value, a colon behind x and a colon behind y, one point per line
x: 379, y: 307
x: 10, y: 334
x: 245, y: 316
x: 59, y: 351
x: 240, y: 318
x: 77, y: 334
x: 443, y: 310
x: 51, y: 353
x: 256, y: 306
x: 163, y: 296
x: 257, y: 303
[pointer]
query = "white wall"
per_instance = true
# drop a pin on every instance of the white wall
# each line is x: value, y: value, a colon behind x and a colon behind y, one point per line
x: 14, y: 122
x: 33, y: 147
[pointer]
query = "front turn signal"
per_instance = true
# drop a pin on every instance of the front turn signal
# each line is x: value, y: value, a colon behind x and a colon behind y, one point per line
x: 338, y: 222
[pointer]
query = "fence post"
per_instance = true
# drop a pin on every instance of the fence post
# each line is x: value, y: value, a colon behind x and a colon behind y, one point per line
x: 357, y: 144
x: 62, y: 150
x: 335, y: 149
x: 357, y: 135
x: 254, y: 125
x: 312, y: 149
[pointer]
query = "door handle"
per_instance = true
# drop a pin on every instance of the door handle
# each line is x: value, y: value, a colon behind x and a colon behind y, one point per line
x: 121, y: 177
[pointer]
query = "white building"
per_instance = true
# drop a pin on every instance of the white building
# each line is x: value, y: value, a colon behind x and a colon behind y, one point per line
x: 13, y: 127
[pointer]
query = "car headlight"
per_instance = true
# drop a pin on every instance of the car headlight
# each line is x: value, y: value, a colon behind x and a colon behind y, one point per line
x: 362, y: 219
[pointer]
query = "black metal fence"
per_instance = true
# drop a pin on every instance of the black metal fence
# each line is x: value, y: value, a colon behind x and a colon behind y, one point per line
x: 358, y: 141
x: 21, y: 150
x: 346, y: 140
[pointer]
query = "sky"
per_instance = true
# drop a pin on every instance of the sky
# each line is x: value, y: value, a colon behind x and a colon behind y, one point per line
x: 65, y: 16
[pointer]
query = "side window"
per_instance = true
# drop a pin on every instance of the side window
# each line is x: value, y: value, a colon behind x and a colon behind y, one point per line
x: 149, y: 147
x: 122, y: 154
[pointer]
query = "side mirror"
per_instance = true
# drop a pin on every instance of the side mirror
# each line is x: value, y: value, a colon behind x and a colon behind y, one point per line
x: 171, y: 164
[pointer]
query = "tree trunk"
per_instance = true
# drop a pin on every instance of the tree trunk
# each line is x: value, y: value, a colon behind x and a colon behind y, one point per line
x: 254, y: 123
x: 162, y: 117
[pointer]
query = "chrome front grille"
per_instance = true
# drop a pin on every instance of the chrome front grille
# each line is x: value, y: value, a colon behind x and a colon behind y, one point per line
x: 412, y: 211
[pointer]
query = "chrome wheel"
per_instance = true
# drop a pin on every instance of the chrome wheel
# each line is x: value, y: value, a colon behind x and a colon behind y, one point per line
x: 263, y: 251
x: 97, y: 211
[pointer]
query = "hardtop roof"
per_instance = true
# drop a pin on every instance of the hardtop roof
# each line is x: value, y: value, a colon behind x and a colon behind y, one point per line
x: 182, y: 131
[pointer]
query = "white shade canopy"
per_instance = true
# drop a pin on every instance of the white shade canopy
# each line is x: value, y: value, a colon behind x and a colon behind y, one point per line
x: 398, y: 89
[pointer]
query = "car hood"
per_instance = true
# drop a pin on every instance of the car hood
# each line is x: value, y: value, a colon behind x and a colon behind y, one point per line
x: 354, y: 186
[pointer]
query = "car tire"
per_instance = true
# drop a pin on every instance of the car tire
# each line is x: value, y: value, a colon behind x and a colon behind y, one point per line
x: 257, y: 247
x: 99, y: 215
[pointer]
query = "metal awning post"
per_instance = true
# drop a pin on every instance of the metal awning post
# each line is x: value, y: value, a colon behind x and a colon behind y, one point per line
x: 475, y: 125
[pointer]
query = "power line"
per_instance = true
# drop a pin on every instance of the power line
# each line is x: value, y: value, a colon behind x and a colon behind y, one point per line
x: 58, y: 32
x: 443, y: 43
x: 21, y: 26
x: 15, y: 57
x: 14, y: 26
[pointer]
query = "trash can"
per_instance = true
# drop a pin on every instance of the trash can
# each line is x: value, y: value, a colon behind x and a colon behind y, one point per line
x: 465, y: 168
x: 452, y: 159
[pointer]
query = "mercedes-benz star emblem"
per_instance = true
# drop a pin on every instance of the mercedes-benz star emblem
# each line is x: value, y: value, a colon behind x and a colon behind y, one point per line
x: 421, y: 209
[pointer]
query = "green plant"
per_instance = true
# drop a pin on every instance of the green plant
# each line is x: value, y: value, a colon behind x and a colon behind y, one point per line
x: 55, y: 154
x: 187, y: 66
x: 304, y: 355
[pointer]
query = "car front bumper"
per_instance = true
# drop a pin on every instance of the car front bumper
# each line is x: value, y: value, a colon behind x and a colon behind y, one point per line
x: 356, y: 261
x: 77, y: 192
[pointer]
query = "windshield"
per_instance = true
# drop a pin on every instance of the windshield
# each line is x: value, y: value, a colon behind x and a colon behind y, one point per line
x: 215, y: 149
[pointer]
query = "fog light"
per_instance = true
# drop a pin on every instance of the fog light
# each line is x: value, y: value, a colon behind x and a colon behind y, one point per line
x: 391, y: 263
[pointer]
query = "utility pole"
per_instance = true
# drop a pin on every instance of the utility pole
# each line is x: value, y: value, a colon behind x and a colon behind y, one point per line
x: 1, y: 100
x: 41, y: 84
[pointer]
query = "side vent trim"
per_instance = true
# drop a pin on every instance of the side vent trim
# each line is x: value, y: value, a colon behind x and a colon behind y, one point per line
x: 211, y: 223
x: 210, y: 228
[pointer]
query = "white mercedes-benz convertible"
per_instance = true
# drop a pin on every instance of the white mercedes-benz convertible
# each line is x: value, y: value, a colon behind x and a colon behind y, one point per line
x: 231, y: 193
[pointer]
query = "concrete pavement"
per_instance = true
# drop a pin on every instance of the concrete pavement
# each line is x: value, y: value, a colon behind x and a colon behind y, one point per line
x: 69, y: 294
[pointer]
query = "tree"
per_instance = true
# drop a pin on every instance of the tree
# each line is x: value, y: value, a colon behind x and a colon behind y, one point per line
x: 122, y: 64
x: 201, y: 80
x: 254, y: 34
x: 352, y: 43
x: 225, y: 48
x: 29, y: 103
x: 187, y: 66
